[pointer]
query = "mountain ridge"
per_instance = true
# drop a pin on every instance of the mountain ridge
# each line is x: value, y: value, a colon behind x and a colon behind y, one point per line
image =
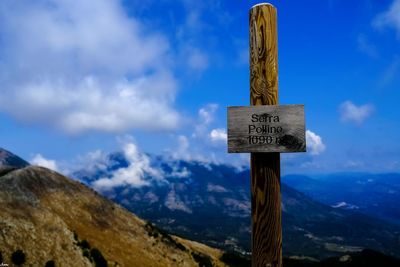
x: 47, y: 217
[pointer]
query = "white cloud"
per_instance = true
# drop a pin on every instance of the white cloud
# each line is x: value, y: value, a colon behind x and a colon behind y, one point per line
x: 218, y: 135
x: 216, y: 188
x: 173, y: 202
x: 389, y: 18
x: 139, y: 172
x: 90, y: 163
x: 314, y: 143
x: 185, y: 151
x: 84, y: 65
x: 39, y: 160
x: 200, y: 137
x: 200, y: 146
x: 179, y: 173
x: 206, y: 114
x: 206, y: 117
x: 349, y: 112
x: 182, y: 150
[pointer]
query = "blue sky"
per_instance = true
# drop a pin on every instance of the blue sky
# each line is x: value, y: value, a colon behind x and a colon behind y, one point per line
x: 84, y: 77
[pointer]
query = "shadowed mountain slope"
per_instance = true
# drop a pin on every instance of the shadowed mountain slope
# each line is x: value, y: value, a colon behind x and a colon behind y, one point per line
x: 10, y: 160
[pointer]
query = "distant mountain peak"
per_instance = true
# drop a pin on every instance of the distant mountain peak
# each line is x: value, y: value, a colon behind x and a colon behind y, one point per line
x: 8, y: 159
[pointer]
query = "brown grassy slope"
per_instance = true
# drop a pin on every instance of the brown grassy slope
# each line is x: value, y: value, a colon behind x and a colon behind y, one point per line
x: 48, y: 216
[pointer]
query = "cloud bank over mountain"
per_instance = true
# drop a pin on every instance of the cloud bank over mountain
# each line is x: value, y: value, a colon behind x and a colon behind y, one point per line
x: 39, y: 160
x: 134, y: 175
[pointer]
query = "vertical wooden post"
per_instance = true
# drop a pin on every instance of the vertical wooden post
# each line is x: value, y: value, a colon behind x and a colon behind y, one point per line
x: 265, y: 167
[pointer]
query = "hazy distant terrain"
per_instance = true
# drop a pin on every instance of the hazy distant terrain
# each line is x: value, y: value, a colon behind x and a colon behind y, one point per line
x: 210, y: 203
x: 377, y: 195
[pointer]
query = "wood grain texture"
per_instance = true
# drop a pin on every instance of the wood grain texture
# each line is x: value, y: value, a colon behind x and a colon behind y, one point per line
x: 265, y: 167
x: 263, y: 56
x: 266, y: 128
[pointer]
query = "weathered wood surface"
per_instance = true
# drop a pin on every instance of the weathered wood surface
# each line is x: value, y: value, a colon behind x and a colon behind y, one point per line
x: 266, y: 129
x: 265, y: 167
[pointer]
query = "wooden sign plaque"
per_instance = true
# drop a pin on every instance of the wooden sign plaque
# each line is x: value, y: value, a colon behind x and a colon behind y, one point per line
x: 266, y: 128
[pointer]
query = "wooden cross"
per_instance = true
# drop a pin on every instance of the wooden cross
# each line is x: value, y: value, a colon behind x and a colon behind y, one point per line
x: 265, y: 127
